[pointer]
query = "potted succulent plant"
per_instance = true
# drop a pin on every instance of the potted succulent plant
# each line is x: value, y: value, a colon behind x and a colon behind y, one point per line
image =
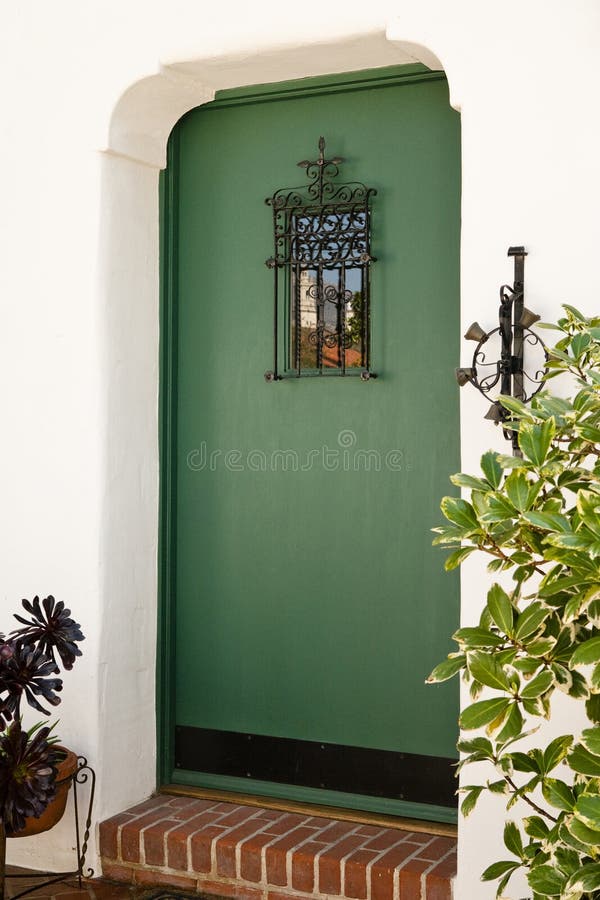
x: 35, y: 773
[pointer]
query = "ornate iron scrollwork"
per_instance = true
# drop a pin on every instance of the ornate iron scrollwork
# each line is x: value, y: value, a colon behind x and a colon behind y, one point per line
x: 321, y: 260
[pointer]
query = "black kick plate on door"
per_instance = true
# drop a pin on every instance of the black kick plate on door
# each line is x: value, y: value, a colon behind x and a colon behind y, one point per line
x: 332, y: 767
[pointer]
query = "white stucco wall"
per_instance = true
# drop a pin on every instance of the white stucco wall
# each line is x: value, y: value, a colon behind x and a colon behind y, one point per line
x: 90, y: 92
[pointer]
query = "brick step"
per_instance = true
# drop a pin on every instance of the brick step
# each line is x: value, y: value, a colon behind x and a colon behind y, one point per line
x: 229, y: 850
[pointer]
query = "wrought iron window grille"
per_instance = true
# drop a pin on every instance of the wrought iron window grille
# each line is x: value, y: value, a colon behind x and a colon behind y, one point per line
x: 506, y: 375
x: 321, y: 267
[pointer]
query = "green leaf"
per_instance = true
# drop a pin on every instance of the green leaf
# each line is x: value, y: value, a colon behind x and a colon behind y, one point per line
x: 530, y: 620
x: 592, y: 708
x: 569, y: 541
x: 499, y: 868
x: 587, y: 878
x: 556, y: 751
x: 546, y: 880
x: 471, y: 798
x: 590, y: 738
x: 535, y: 827
x: 584, y: 762
x: 551, y: 586
x: 513, y: 725
x: 582, y: 833
x: 587, y: 809
x: 574, y: 312
x: 476, y: 744
x: 517, y: 489
x: 468, y: 481
x: 580, y: 343
x: 477, y: 637
x: 541, y: 646
x: 517, y: 407
x: 491, y: 468
x: 512, y: 839
x: 589, y: 433
x: 535, y: 440
x: 488, y: 671
x: 454, y: 560
x: 587, y: 653
x: 460, y: 512
x: 547, y: 521
x: 567, y: 860
x: 569, y: 840
x: 447, y: 668
x: 526, y: 666
x: 523, y: 762
x: 501, y: 609
x: 558, y: 794
x: 483, y: 712
x: 537, y: 686
x: 588, y: 507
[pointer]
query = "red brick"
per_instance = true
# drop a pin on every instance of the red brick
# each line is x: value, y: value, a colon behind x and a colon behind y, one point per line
x: 192, y: 808
x: 108, y: 835
x: 154, y: 841
x: 438, y: 879
x: 117, y: 873
x: 180, y: 801
x: 280, y: 895
x: 271, y: 814
x: 355, y: 873
x: 369, y: 830
x: 227, y: 807
x: 437, y: 849
x: 275, y: 854
x: 151, y: 803
x: 200, y: 845
x: 130, y: 835
x: 335, y: 831
x: 223, y: 889
x: 149, y: 876
x: 69, y: 895
x: 329, y: 863
x: 419, y: 837
x: 237, y: 816
x: 251, y: 856
x: 104, y: 890
x: 317, y: 822
x: 226, y: 846
x: 438, y: 889
x: 285, y: 823
x: 177, y: 840
x: 387, y: 839
x: 303, y: 866
x: 382, y: 871
x: 410, y: 879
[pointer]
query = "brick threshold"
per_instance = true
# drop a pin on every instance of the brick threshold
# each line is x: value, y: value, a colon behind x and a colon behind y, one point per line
x: 229, y: 849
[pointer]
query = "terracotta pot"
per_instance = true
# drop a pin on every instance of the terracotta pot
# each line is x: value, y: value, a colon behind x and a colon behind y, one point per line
x: 56, y: 808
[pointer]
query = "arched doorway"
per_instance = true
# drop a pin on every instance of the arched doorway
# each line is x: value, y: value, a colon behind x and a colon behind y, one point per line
x: 305, y: 605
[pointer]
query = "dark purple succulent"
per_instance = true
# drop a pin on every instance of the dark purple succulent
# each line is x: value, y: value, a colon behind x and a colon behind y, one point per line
x: 26, y: 674
x: 27, y: 775
x: 52, y: 629
x: 28, y: 668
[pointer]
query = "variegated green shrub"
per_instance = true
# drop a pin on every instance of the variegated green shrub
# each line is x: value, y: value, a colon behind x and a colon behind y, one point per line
x: 538, y: 519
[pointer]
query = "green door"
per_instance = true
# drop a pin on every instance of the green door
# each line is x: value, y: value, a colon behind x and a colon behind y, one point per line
x: 303, y: 605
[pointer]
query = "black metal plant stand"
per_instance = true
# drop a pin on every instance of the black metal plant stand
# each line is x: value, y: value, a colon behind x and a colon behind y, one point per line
x: 82, y: 775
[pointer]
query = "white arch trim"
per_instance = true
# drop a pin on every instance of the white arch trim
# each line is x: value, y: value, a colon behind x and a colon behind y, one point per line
x: 147, y: 110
